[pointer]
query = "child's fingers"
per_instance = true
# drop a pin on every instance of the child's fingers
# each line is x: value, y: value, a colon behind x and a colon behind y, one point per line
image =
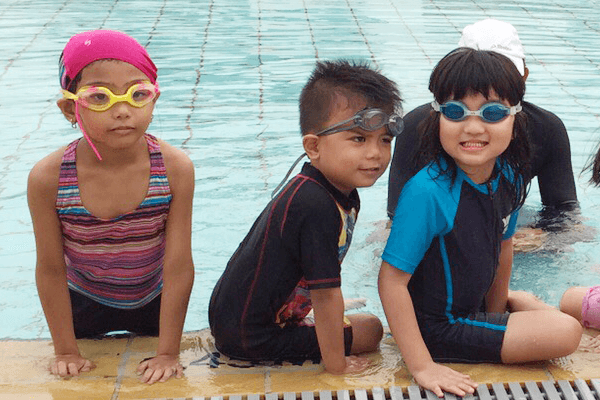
x: 88, y: 366
x: 169, y: 372
x: 63, y: 368
x: 54, y: 368
x: 72, y: 369
x: 450, y: 389
x: 437, y: 390
x: 468, y: 388
x: 179, y: 370
x: 150, y: 376
x: 462, y: 388
x: 155, y: 371
x: 142, y: 367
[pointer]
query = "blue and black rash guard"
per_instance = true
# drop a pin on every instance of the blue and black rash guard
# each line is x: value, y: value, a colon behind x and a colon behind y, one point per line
x: 448, y: 237
x: 551, y: 162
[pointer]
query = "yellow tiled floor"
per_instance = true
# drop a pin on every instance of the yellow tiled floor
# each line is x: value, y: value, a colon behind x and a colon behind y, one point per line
x: 24, y: 373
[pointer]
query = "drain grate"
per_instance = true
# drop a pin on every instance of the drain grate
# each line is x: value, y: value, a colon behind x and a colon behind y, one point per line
x: 548, y: 390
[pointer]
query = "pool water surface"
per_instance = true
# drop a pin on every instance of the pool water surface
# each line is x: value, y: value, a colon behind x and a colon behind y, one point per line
x: 230, y: 74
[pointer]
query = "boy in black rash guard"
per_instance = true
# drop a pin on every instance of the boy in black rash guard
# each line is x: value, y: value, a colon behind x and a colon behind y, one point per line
x: 551, y: 161
x: 289, y: 263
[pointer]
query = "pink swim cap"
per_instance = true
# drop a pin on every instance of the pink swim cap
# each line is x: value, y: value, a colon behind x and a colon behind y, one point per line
x: 87, y: 47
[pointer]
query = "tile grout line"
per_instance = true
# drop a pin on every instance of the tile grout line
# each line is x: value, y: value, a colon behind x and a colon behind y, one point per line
x: 121, y: 369
x: 267, y: 381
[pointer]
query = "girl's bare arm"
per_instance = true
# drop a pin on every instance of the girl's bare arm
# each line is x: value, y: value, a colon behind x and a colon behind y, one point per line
x: 178, y: 270
x: 50, y: 270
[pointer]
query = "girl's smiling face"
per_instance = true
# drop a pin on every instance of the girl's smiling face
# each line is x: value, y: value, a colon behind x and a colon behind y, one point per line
x: 474, y: 144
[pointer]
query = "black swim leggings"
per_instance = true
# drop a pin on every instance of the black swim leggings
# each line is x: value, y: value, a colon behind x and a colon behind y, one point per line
x: 92, y: 319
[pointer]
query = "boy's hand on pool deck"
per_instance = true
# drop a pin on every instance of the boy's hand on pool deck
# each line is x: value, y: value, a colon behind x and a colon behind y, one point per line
x: 70, y: 365
x: 159, y: 369
x: 439, y: 378
x: 356, y: 364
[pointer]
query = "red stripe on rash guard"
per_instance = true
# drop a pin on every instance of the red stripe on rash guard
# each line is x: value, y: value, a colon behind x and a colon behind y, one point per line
x: 262, y: 252
x: 287, y: 205
x: 318, y: 281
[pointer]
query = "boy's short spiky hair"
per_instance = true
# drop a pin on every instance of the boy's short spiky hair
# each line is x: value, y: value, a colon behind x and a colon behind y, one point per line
x: 342, y: 77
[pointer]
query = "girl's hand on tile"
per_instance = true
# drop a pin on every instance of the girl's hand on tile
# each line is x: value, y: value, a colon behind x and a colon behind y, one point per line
x: 439, y: 378
x: 159, y: 369
x: 70, y: 365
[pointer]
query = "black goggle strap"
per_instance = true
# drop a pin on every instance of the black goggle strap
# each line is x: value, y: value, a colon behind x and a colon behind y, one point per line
x: 395, y: 125
x: 284, y: 180
x: 394, y: 122
x: 339, y: 127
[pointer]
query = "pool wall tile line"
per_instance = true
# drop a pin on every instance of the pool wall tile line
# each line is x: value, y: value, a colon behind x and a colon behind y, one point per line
x: 23, y: 372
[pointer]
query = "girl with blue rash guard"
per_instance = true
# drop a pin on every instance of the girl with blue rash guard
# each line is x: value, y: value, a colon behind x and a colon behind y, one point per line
x: 447, y: 263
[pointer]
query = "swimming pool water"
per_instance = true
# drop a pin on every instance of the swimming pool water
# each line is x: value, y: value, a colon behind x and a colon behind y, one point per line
x: 230, y: 74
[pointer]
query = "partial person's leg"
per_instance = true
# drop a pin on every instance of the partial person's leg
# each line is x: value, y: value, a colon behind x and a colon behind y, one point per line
x: 539, y: 335
x: 367, y: 332
x: 572, y: 300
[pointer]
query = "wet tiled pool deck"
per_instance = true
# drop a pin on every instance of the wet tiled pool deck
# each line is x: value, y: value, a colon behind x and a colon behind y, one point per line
x: 24, y: 372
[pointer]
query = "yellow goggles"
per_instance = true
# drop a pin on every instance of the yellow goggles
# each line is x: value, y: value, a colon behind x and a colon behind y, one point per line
x: 100, y: 98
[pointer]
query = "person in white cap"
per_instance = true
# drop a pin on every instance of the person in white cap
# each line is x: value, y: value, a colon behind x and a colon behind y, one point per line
x: 498, y: 36
x: 547, y: 134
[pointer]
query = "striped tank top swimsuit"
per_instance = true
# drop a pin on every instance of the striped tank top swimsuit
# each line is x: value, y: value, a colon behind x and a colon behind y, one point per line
x: 117, y: 262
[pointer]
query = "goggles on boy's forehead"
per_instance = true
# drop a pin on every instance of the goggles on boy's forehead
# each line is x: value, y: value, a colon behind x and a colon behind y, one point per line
x: 489, y: 112
x: 369, y: 119
x: 100, y: 98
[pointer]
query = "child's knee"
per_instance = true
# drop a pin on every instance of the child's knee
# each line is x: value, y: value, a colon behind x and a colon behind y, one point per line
x: 571, y: 301
x: 367, y: 332
x: 376, y: 329
x: 372, y: 326
x: 571, y: 331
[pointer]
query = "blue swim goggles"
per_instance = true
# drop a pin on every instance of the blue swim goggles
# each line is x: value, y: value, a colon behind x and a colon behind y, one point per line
x: 490, y: 112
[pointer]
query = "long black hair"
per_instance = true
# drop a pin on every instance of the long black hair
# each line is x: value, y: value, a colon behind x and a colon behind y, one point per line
x: 594, y: 165
x: 466, y: 71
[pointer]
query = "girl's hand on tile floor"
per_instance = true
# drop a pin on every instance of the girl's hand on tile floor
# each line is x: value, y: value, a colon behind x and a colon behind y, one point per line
x: 439, y: 378
x: 70, y: 365
x: 159, y: 369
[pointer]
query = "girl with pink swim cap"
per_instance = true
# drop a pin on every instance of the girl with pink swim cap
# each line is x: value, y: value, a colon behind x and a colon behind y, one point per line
x: 112, y: 213
x: 583, y: 302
